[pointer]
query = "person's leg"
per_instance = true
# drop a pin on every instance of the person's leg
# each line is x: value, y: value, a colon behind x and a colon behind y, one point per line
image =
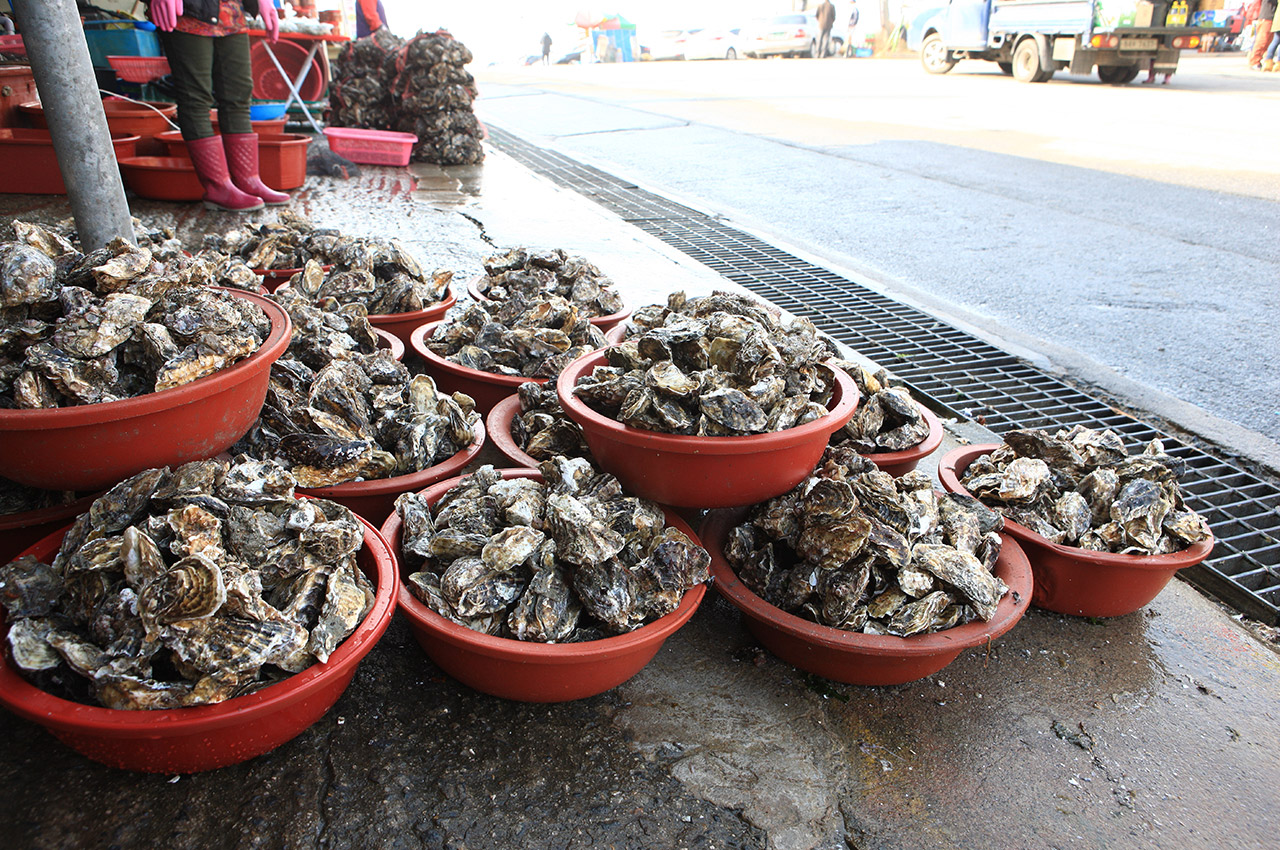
x: 191, y: 69
x: 233, y: 87
x: 1260, y: 41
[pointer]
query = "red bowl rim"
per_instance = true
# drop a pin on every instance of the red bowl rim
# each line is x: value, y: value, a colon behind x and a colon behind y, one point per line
x: 533, y: 652
x: 393, y: 343
x: 437, y: 308
x: 658, y: 441
x: 1013, y: 568
x: 417, y: 341
x: 953, y: 464
x: 921, y: 449
x: 112, y: 411
x: 28, y: 701
x: 499, y: 424
x: 404, y: 483
x: 607, y: 321
x: 285, y: 274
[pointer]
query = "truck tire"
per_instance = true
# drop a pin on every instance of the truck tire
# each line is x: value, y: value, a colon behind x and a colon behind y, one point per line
x: 1006, y: 68
x: 934, y: 55
x: 1117, y: 75
x: 1026, y: 63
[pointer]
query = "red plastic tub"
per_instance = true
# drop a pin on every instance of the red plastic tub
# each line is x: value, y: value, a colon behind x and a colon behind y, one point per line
x: 123, y: 116
x: 902, y: 462
x: 31, y: 165
x: 20, y: 530
x: 703, y: 472
x: 161, y: 178
x: 498, y: 424
x: 372, y: 147
x: 404, y: 324
x: 392, y: 343
x: 375, y: 499
x: 853, y: 657
x: 92, y: 446
x: 1080, y: 582
x: 487, y: 388
x: 529, y: 671
x: 17, y: 86
x: 189, y: 740
x: 282, y: 157
x: 270, y: 126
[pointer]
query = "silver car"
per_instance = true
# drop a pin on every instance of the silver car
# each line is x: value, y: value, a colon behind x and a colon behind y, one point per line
x: 781, y: 35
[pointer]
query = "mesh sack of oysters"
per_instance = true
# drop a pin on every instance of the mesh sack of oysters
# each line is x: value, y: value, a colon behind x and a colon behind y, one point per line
x: 887, y: 418
x: 360, y: 94
x: 524, y: 275
x: 1081, y: 487
x: 114, y: 323
x: 188, y: 587
x: 718, y: 365
x: 854, y: 548
x: 533, y: 339
x: 360, y: 417
x: 569, y: 560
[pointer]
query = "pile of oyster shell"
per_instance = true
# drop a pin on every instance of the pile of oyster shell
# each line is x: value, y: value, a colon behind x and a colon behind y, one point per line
x: 187, y: 587
x: 1081, y: 487
x: 18, y: 498
x: 887, y: 418
x: 534, y: 339
x: 283, y: 244
x: 357, y: 418
x: 542, y: 429
x: 114, y: 323
x: 719, y: 365
x: 526, y: 274
x: 854, y: 548
x: 568, y: 560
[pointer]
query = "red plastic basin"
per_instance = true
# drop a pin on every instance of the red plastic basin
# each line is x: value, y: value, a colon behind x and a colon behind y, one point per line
x: 853, y: 657
x: 1080, y: 582
x: 189, y: 740
x: 282, y: 157
x: 161, y: 178
x: 902, y: 462
x: 498, y: 424
x: 93, y: 446
x: 703, y: 472
x: 375, y: 499
x: 20, y: 530
x: 526, y: 670
x: 487, y: 388
x: 31, y: 165
x: 122, y: 116
x: 404, y: 324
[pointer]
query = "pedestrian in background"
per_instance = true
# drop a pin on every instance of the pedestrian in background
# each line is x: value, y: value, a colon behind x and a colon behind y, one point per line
x: 546, y: 48
x: 850, y: 39
x: 370, y: 18
x: 1271, y: 59
x: 826, y: 15
x: 207, y: 44
x: 1262, y: 33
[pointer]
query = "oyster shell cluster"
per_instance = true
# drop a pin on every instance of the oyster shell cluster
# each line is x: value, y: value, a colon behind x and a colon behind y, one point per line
x: 358, y: 417
x: 111, y: 324
x: 534, y: 339
x: 18, y: 498
x: 187, y: 587
x: 887, y: 418
x: 854, y: 548
x: 542, y: 429
x: 720, y: 365
x: 525, y: 275
x: 360, y: 94
x: 1081, y: 487
x: 283, y: 244
x: 568, y: 560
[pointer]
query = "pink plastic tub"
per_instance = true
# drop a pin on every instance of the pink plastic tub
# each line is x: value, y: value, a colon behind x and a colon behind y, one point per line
x: 372, y: 147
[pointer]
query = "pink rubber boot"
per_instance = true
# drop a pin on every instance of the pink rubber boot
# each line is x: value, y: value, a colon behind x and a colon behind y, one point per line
x: 211, y: 168
x: 242, y: 160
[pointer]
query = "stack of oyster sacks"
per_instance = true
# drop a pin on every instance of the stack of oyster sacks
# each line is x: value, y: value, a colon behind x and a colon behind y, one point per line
x: 419, y: 87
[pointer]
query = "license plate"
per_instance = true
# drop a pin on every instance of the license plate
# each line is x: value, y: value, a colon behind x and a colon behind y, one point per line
x: 1139, y: 43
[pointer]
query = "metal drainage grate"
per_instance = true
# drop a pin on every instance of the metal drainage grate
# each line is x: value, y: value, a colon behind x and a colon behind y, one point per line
x: 951, y: 370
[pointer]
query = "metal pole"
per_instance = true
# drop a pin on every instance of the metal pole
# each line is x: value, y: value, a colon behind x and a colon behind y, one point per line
x: 68, y: 88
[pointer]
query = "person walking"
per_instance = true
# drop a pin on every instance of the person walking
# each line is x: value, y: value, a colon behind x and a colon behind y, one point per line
x: 207, y: 44
x: 826, y: 15
x: 1262, y: 33
x: 546, y: 48
x: 850, y: 35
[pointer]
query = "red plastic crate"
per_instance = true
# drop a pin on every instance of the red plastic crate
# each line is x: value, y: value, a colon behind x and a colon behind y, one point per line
x: 139, y: 69
x: 12, y: 44
x: 371, y: 147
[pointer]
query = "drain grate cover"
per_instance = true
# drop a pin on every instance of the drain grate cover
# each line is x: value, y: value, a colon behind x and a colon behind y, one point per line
x: 952, y: 370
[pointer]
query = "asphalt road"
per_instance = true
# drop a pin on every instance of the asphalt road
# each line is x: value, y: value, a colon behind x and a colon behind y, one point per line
x: 1127, y: 236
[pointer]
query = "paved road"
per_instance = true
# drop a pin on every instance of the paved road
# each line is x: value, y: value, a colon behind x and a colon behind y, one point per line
x: 1130, y: 236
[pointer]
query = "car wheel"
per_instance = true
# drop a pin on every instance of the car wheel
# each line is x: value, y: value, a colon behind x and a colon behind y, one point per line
x: 934, y: 55
x: 731, y: 54
x: 813, y: 50
x: 1026, y: 63
x: 1006, y: 68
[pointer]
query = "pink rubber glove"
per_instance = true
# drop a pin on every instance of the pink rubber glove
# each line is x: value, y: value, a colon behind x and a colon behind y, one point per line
x: 165, y: 14
x: 270, y: 21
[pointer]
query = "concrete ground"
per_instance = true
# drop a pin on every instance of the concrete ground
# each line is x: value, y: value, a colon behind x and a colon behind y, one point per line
x: 1153, y: 730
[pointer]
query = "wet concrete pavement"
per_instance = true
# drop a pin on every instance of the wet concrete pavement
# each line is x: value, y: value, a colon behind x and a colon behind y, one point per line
x: 1155, y: 729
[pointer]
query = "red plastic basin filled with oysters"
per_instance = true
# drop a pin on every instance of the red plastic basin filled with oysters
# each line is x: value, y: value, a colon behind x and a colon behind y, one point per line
x: 92, y: 446
x: 487, y: 388
x: 204, y: 737
x: 526, y: 670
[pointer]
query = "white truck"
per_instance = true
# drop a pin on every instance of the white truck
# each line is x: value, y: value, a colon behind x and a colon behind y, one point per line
x: 1032, y: 39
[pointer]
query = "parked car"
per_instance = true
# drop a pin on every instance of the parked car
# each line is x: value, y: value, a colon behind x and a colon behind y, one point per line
x: 781, y: 35
x: 666, y: 44
x: 712, y: 43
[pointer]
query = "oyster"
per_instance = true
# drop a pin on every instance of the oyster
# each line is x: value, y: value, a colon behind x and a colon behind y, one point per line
x: 526, y: 275
x: 534, y: 339
x: 887, y: 418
